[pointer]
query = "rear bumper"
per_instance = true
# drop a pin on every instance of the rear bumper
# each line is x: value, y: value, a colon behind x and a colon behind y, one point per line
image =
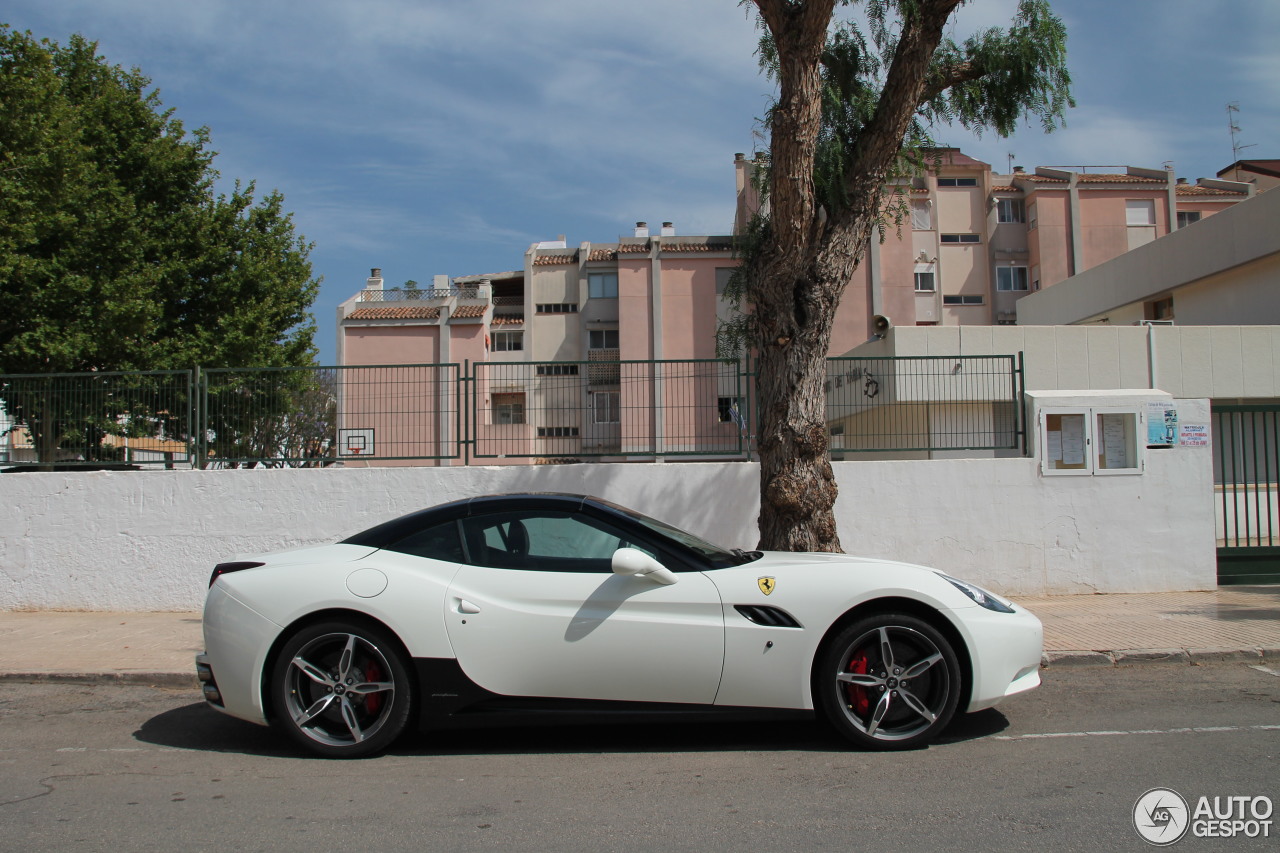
x: 236, y: 641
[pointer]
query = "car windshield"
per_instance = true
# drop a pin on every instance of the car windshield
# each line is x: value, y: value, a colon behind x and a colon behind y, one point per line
x: 712, y: 553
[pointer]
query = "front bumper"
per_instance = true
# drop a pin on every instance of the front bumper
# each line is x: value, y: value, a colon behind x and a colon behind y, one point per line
x: 1005, y: 651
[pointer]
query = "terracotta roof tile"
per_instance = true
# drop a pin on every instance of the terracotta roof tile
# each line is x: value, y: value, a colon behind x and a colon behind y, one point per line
x: 633, y: 248
x: 1005, y: 190
x: 603, y: 255
x: 412, y: 312
x: 507, y: 320
x: 1197, y: 190
x: 708, y: 246
x: 554, y: 260
x: 1118, y: 179
x: 1045, y: 179
x: 467, y: 312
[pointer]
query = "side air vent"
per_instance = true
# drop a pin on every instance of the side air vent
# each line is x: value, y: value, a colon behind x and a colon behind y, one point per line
x: 772, y: 617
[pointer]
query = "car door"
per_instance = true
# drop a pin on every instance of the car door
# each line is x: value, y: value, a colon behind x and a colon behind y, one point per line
x: 536, y: 610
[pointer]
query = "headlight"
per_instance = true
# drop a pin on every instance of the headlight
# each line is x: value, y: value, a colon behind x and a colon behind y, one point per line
x: 980, y: 596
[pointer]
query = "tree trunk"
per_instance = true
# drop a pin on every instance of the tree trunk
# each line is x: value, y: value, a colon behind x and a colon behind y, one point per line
x: 806, y: 260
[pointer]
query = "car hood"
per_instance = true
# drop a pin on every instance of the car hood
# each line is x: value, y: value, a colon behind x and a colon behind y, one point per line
x: 790, y: 559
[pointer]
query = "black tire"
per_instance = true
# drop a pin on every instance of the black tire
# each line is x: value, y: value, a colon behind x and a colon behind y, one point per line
x: 889, y: 681
x: 342, y: 689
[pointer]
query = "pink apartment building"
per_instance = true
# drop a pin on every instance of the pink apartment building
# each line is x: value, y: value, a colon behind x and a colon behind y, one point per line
x: 559, y: 350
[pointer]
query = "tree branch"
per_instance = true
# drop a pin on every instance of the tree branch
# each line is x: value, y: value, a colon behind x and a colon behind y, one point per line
x: 950, y: 77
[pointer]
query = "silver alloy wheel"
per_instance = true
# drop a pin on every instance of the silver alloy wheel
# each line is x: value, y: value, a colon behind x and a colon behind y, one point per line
x: 893, y: 683
x: 340, y: 689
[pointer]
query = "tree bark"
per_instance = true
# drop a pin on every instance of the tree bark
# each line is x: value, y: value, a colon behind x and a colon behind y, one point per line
x: 807, y: 261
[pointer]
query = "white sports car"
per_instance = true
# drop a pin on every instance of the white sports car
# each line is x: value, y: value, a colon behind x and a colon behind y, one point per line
x: 550, y: 601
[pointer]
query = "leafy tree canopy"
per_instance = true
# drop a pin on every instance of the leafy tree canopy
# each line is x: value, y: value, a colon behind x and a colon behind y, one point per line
x: 115, y: 252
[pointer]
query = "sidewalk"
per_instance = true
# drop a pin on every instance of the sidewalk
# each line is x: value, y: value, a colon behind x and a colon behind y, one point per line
x: 1230, y: 623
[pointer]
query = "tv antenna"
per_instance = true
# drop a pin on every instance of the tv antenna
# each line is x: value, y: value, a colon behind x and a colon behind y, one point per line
x: 1234, y: 128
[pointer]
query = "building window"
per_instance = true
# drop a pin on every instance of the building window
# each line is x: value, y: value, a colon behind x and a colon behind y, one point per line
x: 1187, y: 217
x: 557, y: 370
x: 1161, y: 309
x: 606, y: 407
x: 921, y: 215
x: 508, y: 341
x: 961, y: 238
x: 602, y: 339
x: 602, y: 285
x: 957, y: 182
x: 924, y: 282
x: 1032, y: 220
x: 508, y: 408
x: 557, y: 307
x: 962, y: 300
x: 1011, y: 210
x: 1140, y: 211
x: 557, y: 432
x: 1011, y: 278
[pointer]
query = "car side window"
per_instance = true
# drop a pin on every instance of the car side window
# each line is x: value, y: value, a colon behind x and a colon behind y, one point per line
x: 546, y: 541
x: 440, y: 542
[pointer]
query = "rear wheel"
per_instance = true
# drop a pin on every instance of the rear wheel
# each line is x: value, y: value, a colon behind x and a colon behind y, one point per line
x: 341, y: 689
x: 890, y: 681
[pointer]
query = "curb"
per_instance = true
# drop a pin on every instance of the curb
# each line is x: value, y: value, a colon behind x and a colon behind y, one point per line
x: 1186, y: 657
x: 171, y: 680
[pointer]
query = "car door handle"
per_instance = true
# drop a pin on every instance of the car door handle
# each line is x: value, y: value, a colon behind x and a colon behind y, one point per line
x: 464, y: 606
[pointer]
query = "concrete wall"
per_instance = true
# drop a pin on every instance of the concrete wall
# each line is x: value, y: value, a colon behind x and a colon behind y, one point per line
x: 147, y: 540
x: 1217, y: 362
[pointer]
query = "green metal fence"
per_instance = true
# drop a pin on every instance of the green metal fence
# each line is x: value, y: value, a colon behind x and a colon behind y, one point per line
x: 601, y: 408
x: 1246, y: 475
x: 96, y: 419
x: 571, y: 410
x: 925, y: 404
x: 310, y: 417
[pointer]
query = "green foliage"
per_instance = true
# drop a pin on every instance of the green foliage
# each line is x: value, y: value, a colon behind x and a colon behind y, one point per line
x: 115, y: 253
x: 991, y: 81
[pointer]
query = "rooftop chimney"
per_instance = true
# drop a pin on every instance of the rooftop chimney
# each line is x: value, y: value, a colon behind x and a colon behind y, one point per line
x: 1182, y: 180
x: 642, y: 229
x: 668, y: 230
x: 375, y: 279
x: 1018, y: 170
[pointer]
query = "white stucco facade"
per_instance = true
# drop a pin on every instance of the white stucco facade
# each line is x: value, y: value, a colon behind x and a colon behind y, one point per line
x: 142, y: 541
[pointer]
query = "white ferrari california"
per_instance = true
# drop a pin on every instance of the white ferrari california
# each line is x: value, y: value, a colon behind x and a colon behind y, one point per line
x: 530, y: 602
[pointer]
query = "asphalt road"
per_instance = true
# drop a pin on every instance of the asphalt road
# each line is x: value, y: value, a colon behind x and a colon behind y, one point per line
x: 137, y: 769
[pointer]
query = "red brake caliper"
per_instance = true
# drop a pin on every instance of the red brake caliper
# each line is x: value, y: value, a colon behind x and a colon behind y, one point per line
x: 373, y: 701
x: 858, y: 698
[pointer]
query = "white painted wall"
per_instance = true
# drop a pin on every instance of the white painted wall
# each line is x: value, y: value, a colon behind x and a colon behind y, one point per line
x: 139, y: 541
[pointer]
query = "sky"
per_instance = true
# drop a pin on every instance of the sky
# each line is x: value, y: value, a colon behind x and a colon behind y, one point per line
x: 428, y: 137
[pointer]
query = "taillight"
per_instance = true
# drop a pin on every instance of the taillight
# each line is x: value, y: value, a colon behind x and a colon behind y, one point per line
x: 227, y: 568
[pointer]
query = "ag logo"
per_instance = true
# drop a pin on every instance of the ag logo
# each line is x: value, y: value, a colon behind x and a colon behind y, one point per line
x: 766, y: 584
x: 1161, y: 816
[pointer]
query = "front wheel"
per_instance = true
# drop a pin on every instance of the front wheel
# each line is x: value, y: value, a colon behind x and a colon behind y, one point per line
x: 341, y: 689
x: 890, y: 681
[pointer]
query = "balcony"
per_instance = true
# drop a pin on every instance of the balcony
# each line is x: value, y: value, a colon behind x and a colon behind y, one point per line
x: 508, y: 310
x: 426, y: 303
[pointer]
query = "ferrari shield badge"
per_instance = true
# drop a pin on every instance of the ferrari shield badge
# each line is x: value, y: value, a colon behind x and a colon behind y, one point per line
x: 766, y: 584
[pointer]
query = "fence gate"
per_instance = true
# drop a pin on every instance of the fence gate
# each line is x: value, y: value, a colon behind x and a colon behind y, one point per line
x: 1246, y: 474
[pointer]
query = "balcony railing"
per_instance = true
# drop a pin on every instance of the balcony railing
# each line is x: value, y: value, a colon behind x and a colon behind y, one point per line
x: 412, y: 294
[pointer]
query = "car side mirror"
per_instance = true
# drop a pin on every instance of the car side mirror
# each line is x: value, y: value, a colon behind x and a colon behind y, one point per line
x: 635, y: 563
